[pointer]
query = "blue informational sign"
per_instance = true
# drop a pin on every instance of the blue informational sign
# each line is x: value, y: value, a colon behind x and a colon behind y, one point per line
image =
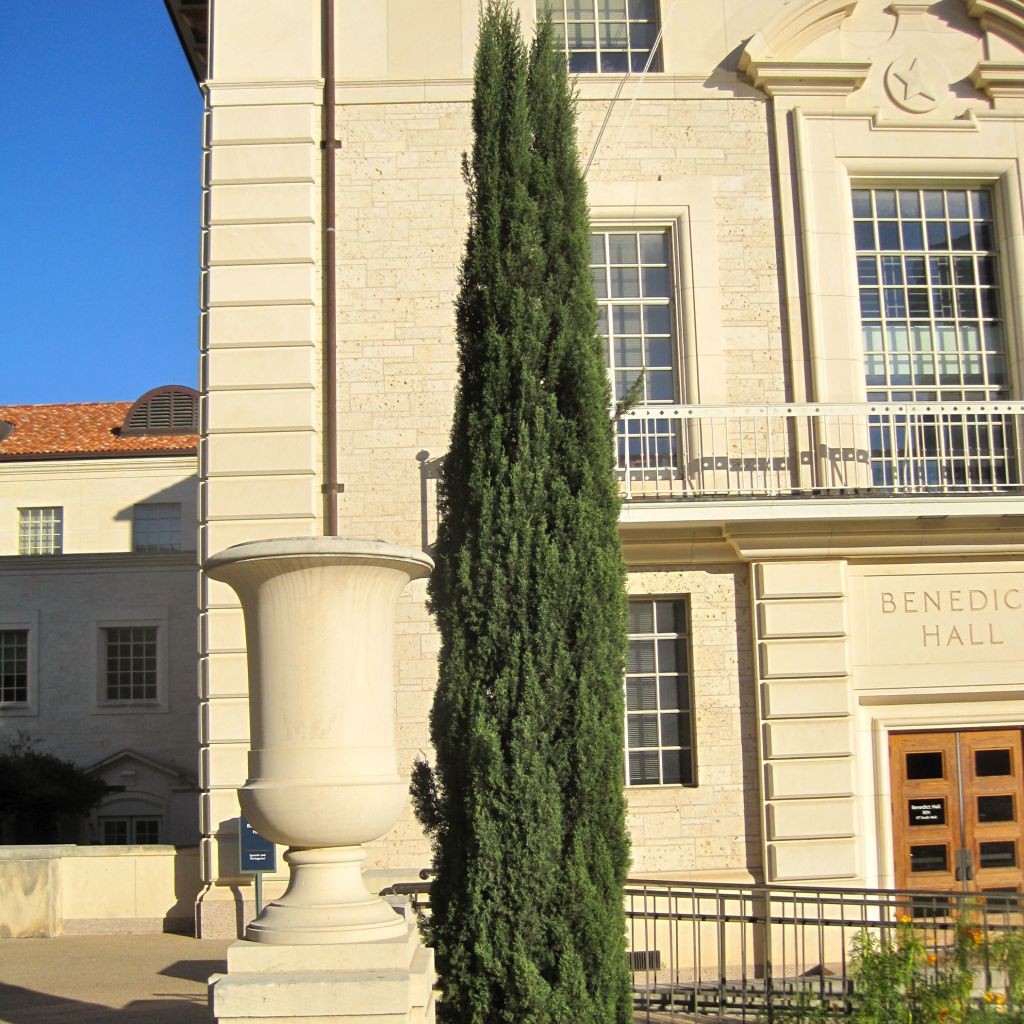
x: 255, y: 854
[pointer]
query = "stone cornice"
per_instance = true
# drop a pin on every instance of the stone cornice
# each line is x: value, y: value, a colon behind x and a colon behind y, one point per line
x: 805, y: 77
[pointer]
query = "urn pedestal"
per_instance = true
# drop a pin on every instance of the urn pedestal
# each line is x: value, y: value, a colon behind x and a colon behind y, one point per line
x: 323, y: 780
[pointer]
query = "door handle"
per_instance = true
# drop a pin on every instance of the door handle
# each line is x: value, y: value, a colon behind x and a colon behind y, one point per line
x: 964, y: 865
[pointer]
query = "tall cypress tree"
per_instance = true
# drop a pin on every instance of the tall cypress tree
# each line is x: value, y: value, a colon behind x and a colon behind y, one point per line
x: 525, y: 805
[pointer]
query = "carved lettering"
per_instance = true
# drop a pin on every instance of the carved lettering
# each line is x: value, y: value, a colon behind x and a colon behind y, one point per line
x: 888, y: 604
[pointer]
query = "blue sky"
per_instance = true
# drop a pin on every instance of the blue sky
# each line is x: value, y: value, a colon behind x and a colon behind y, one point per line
x: 99, y: 202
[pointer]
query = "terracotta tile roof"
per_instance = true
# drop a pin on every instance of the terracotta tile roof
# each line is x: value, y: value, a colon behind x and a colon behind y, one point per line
x: 90, y: 428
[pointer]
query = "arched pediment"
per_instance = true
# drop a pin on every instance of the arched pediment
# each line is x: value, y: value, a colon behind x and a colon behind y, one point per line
x: 771, y: 59
x: 969, y: 54
x: 796, y: 26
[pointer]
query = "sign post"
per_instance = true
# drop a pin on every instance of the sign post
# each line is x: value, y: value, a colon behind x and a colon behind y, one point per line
x: 255, y: 855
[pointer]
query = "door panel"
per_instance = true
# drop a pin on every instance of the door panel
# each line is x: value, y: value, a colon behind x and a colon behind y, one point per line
x: 992, y: 806
x: 925, y: 809
x: 957, y: 803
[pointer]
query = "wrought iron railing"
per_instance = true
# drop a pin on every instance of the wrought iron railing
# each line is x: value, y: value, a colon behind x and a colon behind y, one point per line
x: 870, y: 449
x: 760, y: 952
x: 773, y: 952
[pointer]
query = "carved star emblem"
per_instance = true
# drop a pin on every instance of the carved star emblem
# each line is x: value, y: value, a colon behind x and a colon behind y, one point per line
x: 914, y: 84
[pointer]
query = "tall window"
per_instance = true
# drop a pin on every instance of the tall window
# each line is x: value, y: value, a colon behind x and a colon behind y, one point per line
x: 632, y: 273
x: 130, y: 663
x: 13, y: 666
x: 659, y: 697
x: 156, y: 526
x: 933, y: 332
x: 613, y: 36
x: 40, y: 531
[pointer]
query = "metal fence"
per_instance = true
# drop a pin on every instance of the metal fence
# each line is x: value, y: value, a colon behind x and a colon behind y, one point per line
x: 871, y: 449
x: 760, y: 952
x: 771, y: 952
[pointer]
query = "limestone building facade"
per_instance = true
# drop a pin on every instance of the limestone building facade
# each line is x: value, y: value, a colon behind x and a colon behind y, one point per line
x: 807, y: 230
x: 98, y: 603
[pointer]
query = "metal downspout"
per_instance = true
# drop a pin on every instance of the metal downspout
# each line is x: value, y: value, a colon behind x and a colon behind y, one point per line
x: 331, y: 487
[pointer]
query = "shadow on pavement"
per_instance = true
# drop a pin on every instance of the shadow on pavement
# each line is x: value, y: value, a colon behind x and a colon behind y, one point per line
x: 193, y: 970
x: 26, y: 1006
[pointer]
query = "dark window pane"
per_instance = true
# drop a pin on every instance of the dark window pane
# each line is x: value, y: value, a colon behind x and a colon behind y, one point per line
x: 642, y: 731
x: 660, y: 386
x: 672, y: 766
x: 927, y: 765
x: 929, y: 858
x: 670, y: 730
x: 643, y: 768
x: 995, y: 808
x: 933, y: 204
x: 937, y: 237
x: 999, y: 855
x: 983, y: 238
x: 867, y: 270
x: 670, y: 616
x: 963, y: 269
x: 956, y: 203
x: 669, y: 692
x: 861, y: 202
x: 641, y: 616
x: 960, y: 234
x: 864, y: 233
x: 910, y: 203
x: 614, y: 61
x: 870, y: 306
x: 582, y: 63
x: 915, y: 270
x: 888, y: 234
x: 641, y: 656
x: 641, y: 694
x: 981, y: 204
x: 992, y: 762
x: 885, y: 203
x: 913, y: 235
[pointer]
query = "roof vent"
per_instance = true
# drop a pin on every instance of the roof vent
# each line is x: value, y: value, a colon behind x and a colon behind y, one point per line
x: 173, y: 409
x: 6, y: 429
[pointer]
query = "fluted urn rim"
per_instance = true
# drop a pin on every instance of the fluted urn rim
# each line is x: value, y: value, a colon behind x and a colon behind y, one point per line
x: 337, y: 550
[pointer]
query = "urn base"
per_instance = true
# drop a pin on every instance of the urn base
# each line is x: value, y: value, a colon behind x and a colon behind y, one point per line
x: 326, y: 902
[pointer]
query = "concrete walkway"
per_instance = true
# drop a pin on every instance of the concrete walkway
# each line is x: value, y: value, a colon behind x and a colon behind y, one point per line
x: 124, y: 979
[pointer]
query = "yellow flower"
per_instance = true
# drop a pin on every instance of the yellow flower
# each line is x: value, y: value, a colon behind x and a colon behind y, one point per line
x: 931, y: 958
x: 904, y: 919
x: 976, y: 936
x: 989, y: 997
x: 1000, y: 998
x: 978, y: 901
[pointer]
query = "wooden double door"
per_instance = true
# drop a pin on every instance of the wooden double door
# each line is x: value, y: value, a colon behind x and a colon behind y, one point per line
x: 957, y: 800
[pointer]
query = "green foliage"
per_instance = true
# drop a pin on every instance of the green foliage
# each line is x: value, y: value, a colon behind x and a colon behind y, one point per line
x: 525, y: 805
x: 900, y: 980
x: 40, y: 789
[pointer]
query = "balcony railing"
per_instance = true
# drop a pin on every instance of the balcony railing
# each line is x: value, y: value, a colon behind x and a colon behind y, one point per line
x: 870, y: 449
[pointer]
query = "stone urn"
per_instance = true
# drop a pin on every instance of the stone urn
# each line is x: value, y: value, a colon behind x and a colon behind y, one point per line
x: 323, y: 766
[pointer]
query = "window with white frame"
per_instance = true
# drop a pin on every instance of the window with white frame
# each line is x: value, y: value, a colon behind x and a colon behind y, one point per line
x: 632, y: 275
x: 156, y: 526
x: 40, y: 530
x: 130, y: 664
x: 611, y: 36
x: 932, y: 332
x: 13, y: 667
x: 123, y: 831
x: 659, y: 696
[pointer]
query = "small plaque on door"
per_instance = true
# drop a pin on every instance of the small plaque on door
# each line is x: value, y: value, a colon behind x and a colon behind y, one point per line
x: 926, y: 812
